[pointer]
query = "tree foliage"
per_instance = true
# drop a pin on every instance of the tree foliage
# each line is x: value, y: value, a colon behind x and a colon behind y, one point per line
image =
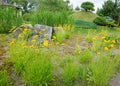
x: 112, y: 9
x: 87, y: 6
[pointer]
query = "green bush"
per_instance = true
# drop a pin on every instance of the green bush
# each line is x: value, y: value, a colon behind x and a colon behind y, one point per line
x: 9, y: 16
x: 104, y: 22
x: 100, y: 21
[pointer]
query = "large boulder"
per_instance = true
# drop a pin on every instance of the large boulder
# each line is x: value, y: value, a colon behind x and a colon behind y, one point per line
x: 43, y: 32
x: 38, y: 32
x: 21, y: 28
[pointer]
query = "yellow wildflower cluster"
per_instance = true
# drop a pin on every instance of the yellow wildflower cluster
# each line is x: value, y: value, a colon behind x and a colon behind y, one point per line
x: 11, y: 43
x: 45, y: 43
x: 67, y: 27
x: 13, y: 28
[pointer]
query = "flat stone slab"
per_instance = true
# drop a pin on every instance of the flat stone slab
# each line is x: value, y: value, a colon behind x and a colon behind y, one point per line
x: 115, y: 81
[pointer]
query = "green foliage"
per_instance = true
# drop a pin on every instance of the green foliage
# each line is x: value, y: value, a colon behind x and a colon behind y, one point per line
x: 60, y: 37
x: 4, y: 78
x: 85, y: 57
x: 100, y: 71
x: 51, y: 18
x: 33, y: 66
x: 100, y: 21
x: 77, y: 8
x: 104, y: 22
x: 9, y: 17
x: 111, y: 9
x: 38, y: 73
x: 88, y: 6
x: 70, y: 73
x: 84, y: 24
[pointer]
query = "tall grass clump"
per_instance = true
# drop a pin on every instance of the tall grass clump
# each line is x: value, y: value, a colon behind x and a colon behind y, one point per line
x: 4, y: 78
x: 31, y: 63
x: 9, y: 16
x: 38, y: 72
x: 51, y: 18
x: 70, y: 73
x: 100, y: 71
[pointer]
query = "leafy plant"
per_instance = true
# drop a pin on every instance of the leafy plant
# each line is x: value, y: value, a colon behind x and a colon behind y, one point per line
x: 85, y: 56
x: 69, y: 73
x: 100, y: 71
x: 4, y: 78
x: 9, y: 17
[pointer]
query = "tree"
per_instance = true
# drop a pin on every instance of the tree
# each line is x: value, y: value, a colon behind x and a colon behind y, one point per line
x: 112, y: 9
x: 87, y: 6
x: 77, y: 8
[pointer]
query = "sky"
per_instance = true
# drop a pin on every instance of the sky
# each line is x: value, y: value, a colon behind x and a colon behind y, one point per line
x: 97, y: 3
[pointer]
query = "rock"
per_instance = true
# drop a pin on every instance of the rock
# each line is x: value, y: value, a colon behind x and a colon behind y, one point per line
x: 115, y: 81
x: 116, y: 52
x: 43, y: 32
x: 20, y: 29
x: 58, y: 30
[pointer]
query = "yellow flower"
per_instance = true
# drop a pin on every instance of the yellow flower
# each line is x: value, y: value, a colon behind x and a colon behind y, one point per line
x: 103, y: 37
x: 106, y: 48
x: 11, y: 43
x: 20, y: 36
x: 78, y: 46
x: 112, y: 45
x: 62, y: 44
x: 40, y: 32
x: 43, y: 30
x: 25, y: 29
x: 94, y: 38
x: 33, y: 40
x: 113, y: 41
x: 45, y: 43
x: 54, y: 37
x: 36, y: 36
x: 24, y: 46
x: 98, y: 53
x: 32, y: 46
x: 45, y: 35
x: 13, y: 28
x: 106, y: 41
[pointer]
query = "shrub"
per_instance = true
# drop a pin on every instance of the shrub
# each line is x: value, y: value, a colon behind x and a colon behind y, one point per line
x: 9, y: 17
x: 100, y: 21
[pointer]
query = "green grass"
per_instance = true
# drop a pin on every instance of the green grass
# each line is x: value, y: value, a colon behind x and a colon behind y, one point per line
x: 4, y: 78
x: 85, y: 16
